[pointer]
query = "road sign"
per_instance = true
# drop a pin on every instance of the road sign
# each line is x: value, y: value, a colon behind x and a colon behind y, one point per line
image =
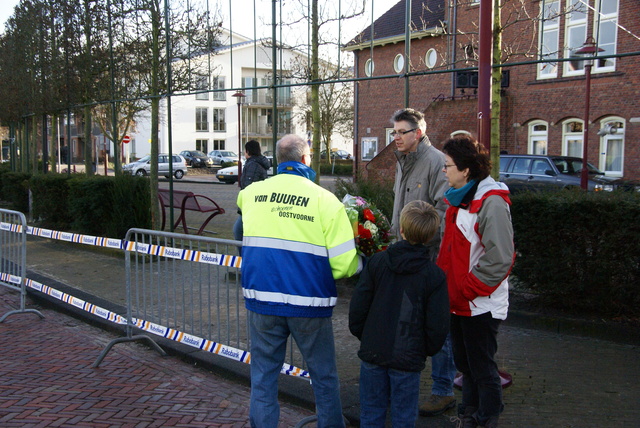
x: 126, y: 139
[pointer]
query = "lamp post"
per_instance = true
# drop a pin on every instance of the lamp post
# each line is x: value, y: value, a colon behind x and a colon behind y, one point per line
x: 588, y: 52
x: 239, y: 96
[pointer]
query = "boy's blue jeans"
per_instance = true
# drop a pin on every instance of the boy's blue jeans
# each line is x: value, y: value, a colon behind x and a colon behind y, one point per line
x: 381, y: 387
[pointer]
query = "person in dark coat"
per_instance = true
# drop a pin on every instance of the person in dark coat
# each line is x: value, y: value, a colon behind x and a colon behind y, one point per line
x: 254, y: 169
x: 399, y: 311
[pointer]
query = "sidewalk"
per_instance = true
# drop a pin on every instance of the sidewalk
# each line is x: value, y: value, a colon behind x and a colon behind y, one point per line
x: 559, y: 380
x: 47, y: 380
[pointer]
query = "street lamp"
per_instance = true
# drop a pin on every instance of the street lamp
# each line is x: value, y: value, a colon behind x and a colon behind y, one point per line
x: 588, y: 51
x: 239, y: 96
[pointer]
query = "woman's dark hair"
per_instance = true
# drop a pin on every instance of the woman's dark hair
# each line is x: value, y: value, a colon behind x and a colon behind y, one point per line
x: 253, y: 148
x: 467, y: 152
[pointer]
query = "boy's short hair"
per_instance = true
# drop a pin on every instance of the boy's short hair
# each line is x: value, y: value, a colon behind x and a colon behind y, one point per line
x: 419, y: 222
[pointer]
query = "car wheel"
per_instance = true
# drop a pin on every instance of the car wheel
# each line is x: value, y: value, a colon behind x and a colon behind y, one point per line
x: 141, y: 173
x: 178, y: 174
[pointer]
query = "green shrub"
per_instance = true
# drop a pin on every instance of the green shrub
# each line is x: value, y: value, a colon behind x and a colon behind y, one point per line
x: 50, y: 197
x: 15, y: 190
x: 96, y: 205
x: 376, y: 192
x: 90, y: 205
x: 131, y: 195
x: 580, y: 251
x: 338, y: 168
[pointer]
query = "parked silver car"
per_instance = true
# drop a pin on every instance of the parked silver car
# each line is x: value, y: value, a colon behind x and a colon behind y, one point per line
x: 223, y: 156
x: 143, y: 166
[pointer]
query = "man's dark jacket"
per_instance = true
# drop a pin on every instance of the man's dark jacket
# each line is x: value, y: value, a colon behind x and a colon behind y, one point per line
x: 400, y: 308
x: 254, y: 169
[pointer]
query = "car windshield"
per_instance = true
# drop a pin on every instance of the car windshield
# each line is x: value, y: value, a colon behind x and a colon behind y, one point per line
x: 574, y: 166
x: 229, y: 154
x: 144, y: 159
x: 197, y: 153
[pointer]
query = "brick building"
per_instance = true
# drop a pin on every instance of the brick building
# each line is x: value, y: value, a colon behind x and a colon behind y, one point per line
x: 543, y: 86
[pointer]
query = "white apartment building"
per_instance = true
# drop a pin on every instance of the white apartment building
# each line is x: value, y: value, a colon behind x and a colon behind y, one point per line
x: 208, y: 120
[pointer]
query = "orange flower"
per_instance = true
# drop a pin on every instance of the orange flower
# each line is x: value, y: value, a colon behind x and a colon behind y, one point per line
x: 368, y: 215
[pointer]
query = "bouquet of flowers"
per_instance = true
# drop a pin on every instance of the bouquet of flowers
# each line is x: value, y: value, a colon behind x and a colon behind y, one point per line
x: 370, y: 226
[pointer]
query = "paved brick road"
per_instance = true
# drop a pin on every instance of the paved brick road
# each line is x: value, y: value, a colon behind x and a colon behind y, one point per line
x: 46, y: 380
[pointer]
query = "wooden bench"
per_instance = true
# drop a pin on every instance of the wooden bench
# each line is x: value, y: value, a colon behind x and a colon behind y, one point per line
x: 188, y: 201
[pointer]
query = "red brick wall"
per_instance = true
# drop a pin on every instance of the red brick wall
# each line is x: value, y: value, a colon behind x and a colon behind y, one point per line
x: 526, y: 99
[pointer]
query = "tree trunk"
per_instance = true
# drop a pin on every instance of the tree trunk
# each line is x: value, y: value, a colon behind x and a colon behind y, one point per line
x: 155, y: 117
x: 315, y: 90
x: 53, y: 143
x: 34, y: 145
x: 88, y: 143
x: 496, y: 77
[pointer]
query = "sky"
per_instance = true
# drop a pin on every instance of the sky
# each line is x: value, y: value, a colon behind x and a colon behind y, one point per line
x: 6, y: 10
x: 243, y: 24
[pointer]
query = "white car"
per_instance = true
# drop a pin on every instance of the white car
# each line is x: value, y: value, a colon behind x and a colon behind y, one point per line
x: 143, y: 166
x: 229, y: 175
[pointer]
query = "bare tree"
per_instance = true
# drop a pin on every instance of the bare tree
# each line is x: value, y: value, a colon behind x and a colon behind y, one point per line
x: 322, y: 16
x: 335, y: 102
x: 167, y: 45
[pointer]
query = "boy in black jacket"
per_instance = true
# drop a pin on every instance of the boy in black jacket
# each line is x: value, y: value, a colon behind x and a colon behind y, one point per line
x: 400, y: 312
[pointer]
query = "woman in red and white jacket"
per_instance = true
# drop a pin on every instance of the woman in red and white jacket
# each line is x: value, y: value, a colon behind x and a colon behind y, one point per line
x: 476, y: 254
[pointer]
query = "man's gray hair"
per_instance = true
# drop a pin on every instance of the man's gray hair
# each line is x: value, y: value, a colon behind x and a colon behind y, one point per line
x: 413, y: 117
x: 290, y: 148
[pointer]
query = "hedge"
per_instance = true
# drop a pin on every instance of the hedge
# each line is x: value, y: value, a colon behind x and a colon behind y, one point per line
x: 97, y: 205
x: 580, y: 251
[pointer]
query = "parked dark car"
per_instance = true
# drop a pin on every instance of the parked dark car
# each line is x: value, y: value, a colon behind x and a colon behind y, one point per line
x: 537, y: 172
x: 336, y: 154
x: 196, y: 159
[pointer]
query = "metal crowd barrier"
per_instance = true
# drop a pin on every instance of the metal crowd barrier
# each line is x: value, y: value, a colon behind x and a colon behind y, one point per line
x: 13, y: 257
x: 187, y: 288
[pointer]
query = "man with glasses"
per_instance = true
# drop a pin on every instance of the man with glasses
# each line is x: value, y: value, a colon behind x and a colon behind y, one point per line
x: 420, y: 175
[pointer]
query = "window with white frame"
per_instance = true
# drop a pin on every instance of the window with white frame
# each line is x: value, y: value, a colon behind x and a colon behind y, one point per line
x: 388, y: 137
x: 538, y: 138
x: 572, y: 138
x: 202, y: 121
x: 612, y: 146
x: 369, y: 148
x: 217, y: 145
x: 575, y: 35
x: 218, y: 83
x: 251, y: 95
x: 549, y: 43
x: 202, y: 84
x: 219, y: 123
x: 369, y: 67
x: 606, y: 34
x: 202, y: 145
